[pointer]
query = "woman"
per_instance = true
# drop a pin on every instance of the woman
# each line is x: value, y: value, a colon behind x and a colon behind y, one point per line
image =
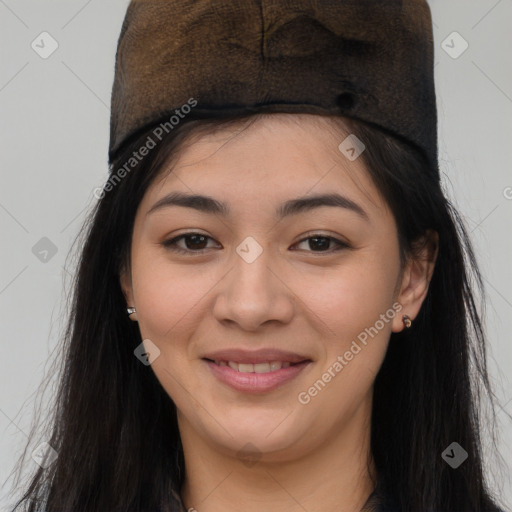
x: 273, y: 307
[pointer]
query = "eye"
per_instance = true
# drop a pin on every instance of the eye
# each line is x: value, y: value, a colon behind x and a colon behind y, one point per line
x: 322, y: 242
x: 194, y: 242
x: 197, y: 243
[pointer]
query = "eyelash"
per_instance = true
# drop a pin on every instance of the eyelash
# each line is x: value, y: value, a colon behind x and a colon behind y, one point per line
x: 171, y: 244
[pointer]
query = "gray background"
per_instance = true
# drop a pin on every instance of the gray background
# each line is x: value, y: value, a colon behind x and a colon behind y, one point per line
x: 54, y: 116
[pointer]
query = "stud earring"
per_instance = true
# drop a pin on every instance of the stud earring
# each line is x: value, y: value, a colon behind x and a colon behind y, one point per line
x: 130, y: 311
x: 407, y: 321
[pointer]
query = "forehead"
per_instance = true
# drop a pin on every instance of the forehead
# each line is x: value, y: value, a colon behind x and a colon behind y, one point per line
x: 271, y: 157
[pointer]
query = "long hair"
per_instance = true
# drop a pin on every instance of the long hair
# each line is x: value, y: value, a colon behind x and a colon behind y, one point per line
x: 115, y: 428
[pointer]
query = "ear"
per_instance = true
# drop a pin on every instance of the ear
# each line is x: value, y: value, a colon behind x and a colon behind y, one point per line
x: 416, y: 277
x: 125, y: 279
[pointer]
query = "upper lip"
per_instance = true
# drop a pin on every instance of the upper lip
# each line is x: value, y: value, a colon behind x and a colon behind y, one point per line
x: 255, y: 356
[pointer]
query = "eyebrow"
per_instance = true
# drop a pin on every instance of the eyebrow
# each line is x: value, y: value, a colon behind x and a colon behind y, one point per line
x: 210, y: 205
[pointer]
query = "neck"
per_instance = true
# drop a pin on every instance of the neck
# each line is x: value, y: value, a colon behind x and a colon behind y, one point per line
x: 336, y: 476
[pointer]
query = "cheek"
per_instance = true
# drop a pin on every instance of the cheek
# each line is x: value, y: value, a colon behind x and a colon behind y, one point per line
x: 170, y: 301
x: 356, y: 304
x: 352, y: 298
x: 166, y: 295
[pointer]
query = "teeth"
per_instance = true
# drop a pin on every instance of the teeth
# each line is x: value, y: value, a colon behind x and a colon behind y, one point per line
x: 262, y: 367
x: 270, y: 366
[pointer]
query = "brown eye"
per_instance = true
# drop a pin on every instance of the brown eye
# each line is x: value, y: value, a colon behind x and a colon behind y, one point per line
x: 322, y: 243
x: 194, y: 242
x: 198, y: 243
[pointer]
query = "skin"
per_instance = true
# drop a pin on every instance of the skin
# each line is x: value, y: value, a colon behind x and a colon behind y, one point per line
x: 295, y: 296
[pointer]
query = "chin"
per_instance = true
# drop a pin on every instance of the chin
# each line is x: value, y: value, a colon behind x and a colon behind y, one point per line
x: 266, y: 433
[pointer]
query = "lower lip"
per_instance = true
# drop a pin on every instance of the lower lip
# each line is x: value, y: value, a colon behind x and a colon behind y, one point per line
x: 256, y: 382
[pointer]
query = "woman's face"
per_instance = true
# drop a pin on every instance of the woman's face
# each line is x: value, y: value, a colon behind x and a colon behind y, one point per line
x: 271, y: 309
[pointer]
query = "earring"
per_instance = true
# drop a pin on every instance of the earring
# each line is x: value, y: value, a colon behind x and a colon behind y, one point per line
x: 407, y: 321
x: 130, y: 311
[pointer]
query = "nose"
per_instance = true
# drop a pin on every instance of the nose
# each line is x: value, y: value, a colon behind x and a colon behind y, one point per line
x: 254, y: 294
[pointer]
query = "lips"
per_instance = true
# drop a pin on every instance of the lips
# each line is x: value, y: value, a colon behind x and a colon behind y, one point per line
x: 256, y: 356
x: 256, y: 371
x: 270, y: 366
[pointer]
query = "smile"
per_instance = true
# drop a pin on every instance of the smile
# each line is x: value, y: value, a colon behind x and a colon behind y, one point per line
x: 256, y: 378
x: 267, y: 367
